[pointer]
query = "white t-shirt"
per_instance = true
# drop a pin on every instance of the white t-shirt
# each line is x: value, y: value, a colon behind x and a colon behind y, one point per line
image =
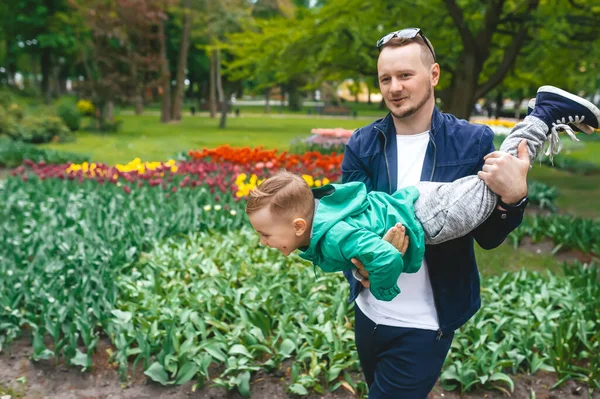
x: 414, y: 307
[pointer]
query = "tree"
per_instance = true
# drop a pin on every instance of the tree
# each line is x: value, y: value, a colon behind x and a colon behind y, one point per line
x: 223, y: 17
x: 172, y: 99
x: 477, y: 43
x: 35, y: 28
x: 117, y: 49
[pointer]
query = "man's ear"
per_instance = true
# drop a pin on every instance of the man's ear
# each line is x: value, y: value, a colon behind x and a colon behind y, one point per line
x: 300, y: 226
x: 435, y: 74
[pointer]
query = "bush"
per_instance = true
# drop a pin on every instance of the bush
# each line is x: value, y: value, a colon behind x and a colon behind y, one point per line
x: 7, y: 121
x: 13, y: 153
x: 16, y: 111
x: 86, y: 107
x: 39, y: 129
x: 6, y: 98
x: 70, y: 115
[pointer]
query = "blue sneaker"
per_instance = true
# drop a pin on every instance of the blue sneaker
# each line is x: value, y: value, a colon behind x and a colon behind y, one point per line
x: 559, y: 108
x: 561, y: 111
x: 580, y: 127
x: 530, y: 106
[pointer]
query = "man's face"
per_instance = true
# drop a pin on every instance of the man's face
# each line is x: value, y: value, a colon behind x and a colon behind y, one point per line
x: 275, y: 231
x: 406, y: 84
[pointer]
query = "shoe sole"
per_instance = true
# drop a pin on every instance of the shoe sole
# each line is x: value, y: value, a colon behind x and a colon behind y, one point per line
x: 582, y: 101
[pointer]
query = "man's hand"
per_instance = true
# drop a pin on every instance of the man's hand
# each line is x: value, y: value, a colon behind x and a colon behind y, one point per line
x: 395, y: 236
x: 506, y: 175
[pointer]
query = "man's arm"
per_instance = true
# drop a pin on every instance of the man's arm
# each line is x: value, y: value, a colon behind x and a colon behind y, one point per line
x: 507, y: 177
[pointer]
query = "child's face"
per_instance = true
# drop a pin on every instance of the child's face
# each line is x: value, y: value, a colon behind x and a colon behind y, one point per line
x: 279, y: 232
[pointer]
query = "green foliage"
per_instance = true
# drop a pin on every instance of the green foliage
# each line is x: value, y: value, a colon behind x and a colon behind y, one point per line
x: 13, y: 153
x: 567, y: 232
x: 224, y: 300
x: 39, y: 129
x: 573, y: 165
x: 70, y: 114
x: 181, y: 285
x: 528, y: 323
x: 63, y: 245
x: 542, y: 195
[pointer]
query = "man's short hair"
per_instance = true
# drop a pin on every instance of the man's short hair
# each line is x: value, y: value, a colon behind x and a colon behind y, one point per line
x: 426, y: 54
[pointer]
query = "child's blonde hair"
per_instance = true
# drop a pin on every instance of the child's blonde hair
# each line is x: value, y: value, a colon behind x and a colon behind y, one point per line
x: 284, y: 193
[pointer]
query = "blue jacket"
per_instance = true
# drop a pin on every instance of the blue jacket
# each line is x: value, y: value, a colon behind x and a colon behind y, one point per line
x: 456, y: 149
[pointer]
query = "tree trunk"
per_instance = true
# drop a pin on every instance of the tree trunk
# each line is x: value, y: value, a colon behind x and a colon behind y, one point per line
x: 518, y: 108
x: 212, y: 88
x: 109, y: 117
x: 267, y: 99
x: 34, y: 72
x: 55, y: 80
x: 182, y: 63
x: 369, y: 95
x: 46, y: 66
x: 461, y: 94
x: 190, y: 90
x: 165, y: 109
x: 294, y: 99
x: 499, y: 103
x: 222, y: 101
x: 139, y: 101
x: 11, y: 62
x: 200, y: 94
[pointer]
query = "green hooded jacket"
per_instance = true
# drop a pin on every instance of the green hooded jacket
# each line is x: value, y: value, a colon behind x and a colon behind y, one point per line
x: 350, y: 223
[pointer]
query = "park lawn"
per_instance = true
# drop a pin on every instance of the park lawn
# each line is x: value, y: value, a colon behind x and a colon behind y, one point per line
x: 506, y: 258
x: 145, y: 137
x: 590, y: 152
x: 578, y: 195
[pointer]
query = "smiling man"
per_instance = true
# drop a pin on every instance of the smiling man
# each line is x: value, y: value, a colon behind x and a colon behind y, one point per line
x: 402, y: 343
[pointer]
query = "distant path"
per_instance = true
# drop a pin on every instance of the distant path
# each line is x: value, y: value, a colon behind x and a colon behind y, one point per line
x: 273, y: 115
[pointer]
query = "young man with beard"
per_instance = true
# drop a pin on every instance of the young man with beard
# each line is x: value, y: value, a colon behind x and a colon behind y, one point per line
x: 402, y: 343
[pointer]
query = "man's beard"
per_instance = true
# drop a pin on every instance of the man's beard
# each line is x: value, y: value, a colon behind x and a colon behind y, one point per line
x: 413, y: 110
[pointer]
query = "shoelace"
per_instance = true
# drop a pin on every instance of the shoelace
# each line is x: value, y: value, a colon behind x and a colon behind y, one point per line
x: 554, y: 143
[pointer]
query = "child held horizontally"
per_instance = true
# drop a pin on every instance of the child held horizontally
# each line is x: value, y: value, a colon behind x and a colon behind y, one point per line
x: 338, y: 222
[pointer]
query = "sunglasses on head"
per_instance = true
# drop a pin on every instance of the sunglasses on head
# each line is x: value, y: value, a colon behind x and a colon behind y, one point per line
x: 408, y: 33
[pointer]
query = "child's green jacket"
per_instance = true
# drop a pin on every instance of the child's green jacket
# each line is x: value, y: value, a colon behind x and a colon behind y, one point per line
x: 349, y: 223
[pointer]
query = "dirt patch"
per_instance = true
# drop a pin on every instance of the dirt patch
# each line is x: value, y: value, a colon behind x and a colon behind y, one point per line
x: 546, y: 246
x: 22, y: 378
x: 525, y: 388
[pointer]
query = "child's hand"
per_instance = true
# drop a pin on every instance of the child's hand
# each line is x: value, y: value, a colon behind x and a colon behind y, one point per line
x: 395, y: 236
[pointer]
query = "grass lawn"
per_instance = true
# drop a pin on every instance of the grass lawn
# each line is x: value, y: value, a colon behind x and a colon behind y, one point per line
x: 577, y: 195
x: 144, y: 137
x: 506, y: 258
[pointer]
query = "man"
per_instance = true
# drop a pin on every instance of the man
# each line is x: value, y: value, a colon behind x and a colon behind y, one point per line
x: 402, y: 344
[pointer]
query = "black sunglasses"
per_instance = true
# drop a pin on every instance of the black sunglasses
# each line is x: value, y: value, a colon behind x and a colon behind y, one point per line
x: 408, y: 33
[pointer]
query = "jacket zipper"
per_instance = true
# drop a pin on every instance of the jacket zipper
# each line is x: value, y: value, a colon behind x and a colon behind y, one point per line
x: 387, y: 165
x: 434, y: 155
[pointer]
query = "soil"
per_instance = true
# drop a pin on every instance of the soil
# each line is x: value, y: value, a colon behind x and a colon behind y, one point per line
x: 22, y: 378
x: 546, y: 246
